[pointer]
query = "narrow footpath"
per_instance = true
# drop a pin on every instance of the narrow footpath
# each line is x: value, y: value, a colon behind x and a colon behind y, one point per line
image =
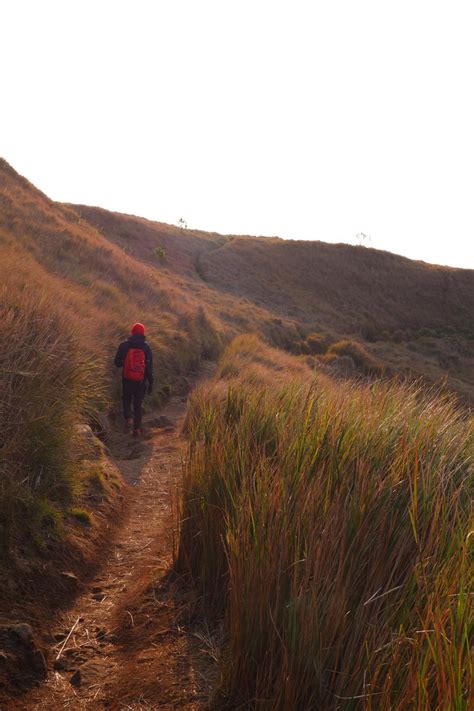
x: 130, y: 641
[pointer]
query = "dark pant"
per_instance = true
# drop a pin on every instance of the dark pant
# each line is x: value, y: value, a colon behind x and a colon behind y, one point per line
x: 133, y: 391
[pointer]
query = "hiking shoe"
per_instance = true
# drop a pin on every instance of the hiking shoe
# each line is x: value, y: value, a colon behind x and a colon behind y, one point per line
x: 128, y: 425
x: 137, y: 432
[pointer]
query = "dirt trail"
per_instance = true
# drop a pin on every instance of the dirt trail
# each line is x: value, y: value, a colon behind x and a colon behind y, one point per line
x: 131, y: 645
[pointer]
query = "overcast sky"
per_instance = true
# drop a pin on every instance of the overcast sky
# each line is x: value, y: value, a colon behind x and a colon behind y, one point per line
x: 305, y: 119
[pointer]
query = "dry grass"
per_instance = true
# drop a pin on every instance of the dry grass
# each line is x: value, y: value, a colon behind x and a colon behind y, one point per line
x: 67, y: 297
x: 305, y: 296
x: 328, y: 520
x: 331, y: 524
x: 104, y: 289
x: 300, y: 296
x: 48, y: 382
x: 349, y: 289
x: 362, y: 360
x: 79, y: 276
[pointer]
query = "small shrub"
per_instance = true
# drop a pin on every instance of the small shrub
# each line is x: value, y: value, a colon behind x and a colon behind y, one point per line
x: 449, y: 361
x: 317, y: 343
x: 399, y: 336
x: 343, y: 366
x: 362, y: 359
x: 300, y: 348
x: 426, y: 332
x: 45, y: 515
x: 211, y: 342
x: 160, y: 253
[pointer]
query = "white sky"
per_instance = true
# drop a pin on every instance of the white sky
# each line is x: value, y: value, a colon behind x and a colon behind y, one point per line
x: 304, y: 119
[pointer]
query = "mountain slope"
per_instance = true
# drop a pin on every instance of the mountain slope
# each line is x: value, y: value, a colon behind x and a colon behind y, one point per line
x: 317, y: 283
x: 415, y: 318
x: 411, y: 317
x: 341, y: 286
x: 73, y: 279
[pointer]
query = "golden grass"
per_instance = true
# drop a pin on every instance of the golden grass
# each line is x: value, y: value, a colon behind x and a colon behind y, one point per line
x: 48, y: 382
x: 330, y: 524
x: 67, y: 298
x: 80, y: 276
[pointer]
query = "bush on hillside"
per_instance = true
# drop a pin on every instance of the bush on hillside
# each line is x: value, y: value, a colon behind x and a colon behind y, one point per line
x: 160, y: 253
x: 340, y: 366
x: 363, y: 360
x: 197, y: 338
x: 283, y: 334
x: 317, y: 343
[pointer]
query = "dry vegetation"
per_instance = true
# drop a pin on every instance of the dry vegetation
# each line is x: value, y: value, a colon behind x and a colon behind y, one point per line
x: 341, y: 287
x: 48, y: 382
x: 409, y: 317
x: 80, y: 275
x: 330, y: 524
x: 326, y: 518
x: 67, y: 297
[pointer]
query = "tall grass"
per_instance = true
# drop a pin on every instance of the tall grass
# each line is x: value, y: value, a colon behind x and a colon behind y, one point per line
x: 331, y: 524
x: 47, y: 383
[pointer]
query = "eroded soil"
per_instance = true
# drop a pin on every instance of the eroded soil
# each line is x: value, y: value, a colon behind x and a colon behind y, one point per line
x: 129, y: 641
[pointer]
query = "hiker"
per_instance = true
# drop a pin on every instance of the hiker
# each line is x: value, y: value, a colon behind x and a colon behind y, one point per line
x: 135, y: 357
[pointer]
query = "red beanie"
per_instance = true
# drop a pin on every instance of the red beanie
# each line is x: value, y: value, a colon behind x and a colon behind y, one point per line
x: 138, y: 328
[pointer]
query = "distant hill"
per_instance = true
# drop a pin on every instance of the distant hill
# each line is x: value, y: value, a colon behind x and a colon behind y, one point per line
x: 193, y: 286
x: 308, y: 281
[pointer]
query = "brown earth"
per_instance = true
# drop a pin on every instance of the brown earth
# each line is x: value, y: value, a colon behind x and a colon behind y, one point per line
x: 129, y: 641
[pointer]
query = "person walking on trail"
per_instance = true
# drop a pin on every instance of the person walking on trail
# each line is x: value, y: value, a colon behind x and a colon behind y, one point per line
x: 134, y: 356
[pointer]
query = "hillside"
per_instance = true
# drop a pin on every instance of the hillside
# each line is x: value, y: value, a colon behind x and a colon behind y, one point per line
x: 351, y: 289
x: 411, y: 317
x: 337, y: 287
x: 68, y: 296
x: 77, y: 497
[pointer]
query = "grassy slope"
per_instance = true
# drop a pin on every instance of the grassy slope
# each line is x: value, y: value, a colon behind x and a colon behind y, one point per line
x: 97, y: 272
x: 74, y: 278
x: 413, y: 317
x: 185, y: 251
x: 330, y: 522
x: 55, y: 250
x: 343, y: 287
x: 67, y: 297
x: 339, y: 287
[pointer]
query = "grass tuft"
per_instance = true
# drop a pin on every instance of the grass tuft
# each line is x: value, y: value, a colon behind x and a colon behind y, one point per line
x: 362, y: 359
x: 81, y: 515
x: 96, y: 480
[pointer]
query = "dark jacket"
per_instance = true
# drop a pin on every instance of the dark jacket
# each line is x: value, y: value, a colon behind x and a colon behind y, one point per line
x: 137, y: 341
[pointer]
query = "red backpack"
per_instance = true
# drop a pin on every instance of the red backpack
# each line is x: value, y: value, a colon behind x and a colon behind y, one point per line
x: 134, y: 366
